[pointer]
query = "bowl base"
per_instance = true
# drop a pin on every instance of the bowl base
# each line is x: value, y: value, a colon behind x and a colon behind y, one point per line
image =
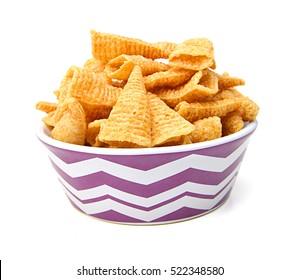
x: 155, y: 223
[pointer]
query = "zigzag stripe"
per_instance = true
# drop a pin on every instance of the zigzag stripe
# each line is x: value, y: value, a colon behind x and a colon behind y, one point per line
x: 154, y: 206
x: 200, y: 162
x: 153, y: 160
x: 188, y: 187
x: 180, y: 215
x: 193, y: 175
x: 95, y: 208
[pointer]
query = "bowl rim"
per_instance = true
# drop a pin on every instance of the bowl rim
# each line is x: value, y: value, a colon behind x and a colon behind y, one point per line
x: 43, y: 134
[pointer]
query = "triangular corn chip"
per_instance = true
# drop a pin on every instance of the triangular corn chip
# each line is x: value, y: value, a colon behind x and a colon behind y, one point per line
x: 61, y: 94
x: 167, y: 125
x: 129, y: 123
x: 94, y: 92
x: 71, y: 127
x: 92, y: 132
x: 49, y: 120
x: 194, y: 54
x: 106, y: 46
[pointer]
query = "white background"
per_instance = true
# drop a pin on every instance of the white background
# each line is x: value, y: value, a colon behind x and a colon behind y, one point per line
x: 255, y: 235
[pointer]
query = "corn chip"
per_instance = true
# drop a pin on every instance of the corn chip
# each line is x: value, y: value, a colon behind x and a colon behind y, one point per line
x: 167, y: 125
x: 206, y: 129
x: 106, y: 46
x: 129, y: 123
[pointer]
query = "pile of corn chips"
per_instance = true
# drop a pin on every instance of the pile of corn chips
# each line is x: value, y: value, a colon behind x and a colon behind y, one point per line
x: 135, y: 94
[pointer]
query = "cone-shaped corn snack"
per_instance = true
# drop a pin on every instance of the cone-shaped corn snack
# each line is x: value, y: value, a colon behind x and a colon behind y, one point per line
x: 129, y: 123
x: 92, y: 132
x: 167, y: 125
x: 106, y: 46
x: 92, y: 90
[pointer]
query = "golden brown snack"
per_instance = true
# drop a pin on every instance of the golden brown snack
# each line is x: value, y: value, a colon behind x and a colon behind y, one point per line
x: 118, y: 112
x: 62, y: 92
x: 94, y: 65
x: 106, y: 46
x: 182, y: 140
x: 206, y: 129
x: 49, y: 121
x: 225, y: 81
x: 170, y: 78
x: 200, y: 110
x: 167, y: 46
x: 92, y: 132
x: 221, y: 107
x: 71, y: 126
x: 232, y: 123
x: 193, y: 54
x: 201, y: 85
x: 94, y: 92
x: 167, y: 125
x: 229, y: 93
x: 121, y: 66
x: 249, y: 110
x: 129, y: 123
x: 45, y: 106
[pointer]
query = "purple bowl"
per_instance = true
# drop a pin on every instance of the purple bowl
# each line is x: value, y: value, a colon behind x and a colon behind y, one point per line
x: 148, y: 185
